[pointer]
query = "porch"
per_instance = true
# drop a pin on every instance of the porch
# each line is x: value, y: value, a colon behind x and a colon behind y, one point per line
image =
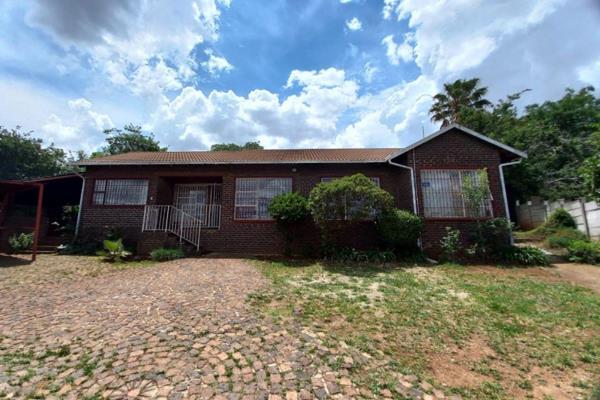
x: 184, y: 207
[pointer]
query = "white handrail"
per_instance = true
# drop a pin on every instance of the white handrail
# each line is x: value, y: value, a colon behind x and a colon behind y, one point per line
x: 168, y: 218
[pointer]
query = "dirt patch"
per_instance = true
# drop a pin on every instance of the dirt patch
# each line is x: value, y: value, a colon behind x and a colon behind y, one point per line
x: 472, y: 365
x: 580, y: 274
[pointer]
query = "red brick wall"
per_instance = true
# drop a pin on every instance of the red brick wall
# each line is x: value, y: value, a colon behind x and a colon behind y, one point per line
x: 455, y: 150
x: 451, y: 150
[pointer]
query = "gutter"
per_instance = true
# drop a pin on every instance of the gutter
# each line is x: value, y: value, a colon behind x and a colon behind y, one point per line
x: 414, y: 190
x: 80, y: 204
x: 505, y: 197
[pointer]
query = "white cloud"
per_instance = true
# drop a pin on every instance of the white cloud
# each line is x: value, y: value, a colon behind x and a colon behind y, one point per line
x: 369, y: 72
x: 216, y: 64
x: 153, y: 80
x: 329, y: 77
x: 78, y: 130
x: 345, y: 1
x: 398, y: 52
x: 299, y: 119
x: 124, y: 37
x: 590, y: 73
x: 354, y: 24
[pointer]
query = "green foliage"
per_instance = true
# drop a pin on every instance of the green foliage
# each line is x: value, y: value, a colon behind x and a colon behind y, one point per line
x: 489, y: 238
x: 25, y: 157
x: 348, y: 254
x: 563, y: 238
x: 584, y: 251
x: 289, y: 208
x: 458, y: 95
x: 348, y: 199
x: 166, y: 254
x: 236, y: 147
x: 476, y: 190
x: 451, y: 245
x: 114, y: 251
x: 128, y: 139
x: 590, y: 169
x: 560, y: 219
x: 528, y: 256
x: 557, y: 135
x: 399, y: 228
x: 84, y: 246
x: 21, y: 242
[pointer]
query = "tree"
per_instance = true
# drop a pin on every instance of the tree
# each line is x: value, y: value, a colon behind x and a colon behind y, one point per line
x: 128, y: 139
x: 460, y: 94
x: 557, y: 136
x: 25, y: 157
x: 343, y: 201
x: 590, y: 170
x: 288, y: 209
x: 236, y: 147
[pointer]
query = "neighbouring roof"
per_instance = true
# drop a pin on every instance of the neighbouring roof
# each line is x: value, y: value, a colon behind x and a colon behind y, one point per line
x: 292, y: 156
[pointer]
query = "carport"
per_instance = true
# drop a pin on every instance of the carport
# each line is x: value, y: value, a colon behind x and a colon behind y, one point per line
x: 38, y: 194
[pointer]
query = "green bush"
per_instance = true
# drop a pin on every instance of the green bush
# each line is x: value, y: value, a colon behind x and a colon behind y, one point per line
x: 399, y: 228
x: 584, y: 251
x: 345, y: 200
x: 22, y: 242
x: 166, y: 254
x: 563, y: 238
x: 560, y: 219
x: 451, y: 245
x: 288, y: 208
x: 489, y: 237
x: 524, y: 256
x: 114, y: 251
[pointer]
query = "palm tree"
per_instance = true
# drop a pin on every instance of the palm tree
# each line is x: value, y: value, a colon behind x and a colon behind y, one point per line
x: 460, y: 94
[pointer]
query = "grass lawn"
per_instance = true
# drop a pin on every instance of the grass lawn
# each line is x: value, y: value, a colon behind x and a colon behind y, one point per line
x: 481, y: 332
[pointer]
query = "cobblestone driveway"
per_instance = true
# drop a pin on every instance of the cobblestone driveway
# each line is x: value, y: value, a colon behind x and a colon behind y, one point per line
x: 175, y: 330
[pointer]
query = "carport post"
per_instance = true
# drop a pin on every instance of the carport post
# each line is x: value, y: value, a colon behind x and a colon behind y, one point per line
x: 38, y: 221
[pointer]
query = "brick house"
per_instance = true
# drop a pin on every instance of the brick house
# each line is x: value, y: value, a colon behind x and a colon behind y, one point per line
x: 218, y: 200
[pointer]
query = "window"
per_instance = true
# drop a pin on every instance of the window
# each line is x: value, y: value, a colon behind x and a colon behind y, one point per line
x: 355, y: 204
x: 375, y: 179
x: 253, y: 196
x: 120, y: 192
x: 443, y: 195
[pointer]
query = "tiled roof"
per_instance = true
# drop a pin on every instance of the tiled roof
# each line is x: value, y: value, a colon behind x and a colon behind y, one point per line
x: 292, y: 156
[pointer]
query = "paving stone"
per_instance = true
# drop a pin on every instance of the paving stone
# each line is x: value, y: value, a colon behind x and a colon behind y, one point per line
x: 180, y: 329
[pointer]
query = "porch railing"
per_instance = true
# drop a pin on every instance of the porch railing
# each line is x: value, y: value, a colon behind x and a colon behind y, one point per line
x: 168, y: 218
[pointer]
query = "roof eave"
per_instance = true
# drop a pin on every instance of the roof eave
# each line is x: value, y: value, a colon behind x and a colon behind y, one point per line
x: 146, y: 163
x: 471, y: 132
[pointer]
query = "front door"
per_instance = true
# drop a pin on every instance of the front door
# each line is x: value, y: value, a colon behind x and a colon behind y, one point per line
x: 192, y: 199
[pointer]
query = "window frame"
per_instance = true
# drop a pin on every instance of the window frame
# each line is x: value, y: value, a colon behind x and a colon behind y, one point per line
x: 235, y: 200
x: 92, y: 200
x: 463, y: 217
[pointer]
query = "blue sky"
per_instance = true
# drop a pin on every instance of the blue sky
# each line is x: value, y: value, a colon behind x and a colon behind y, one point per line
x: 314, y: 73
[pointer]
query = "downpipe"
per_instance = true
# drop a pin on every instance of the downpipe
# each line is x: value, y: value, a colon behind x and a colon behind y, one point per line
x: 505, y: 197
x: 80, y: 204
x: 414, y: 191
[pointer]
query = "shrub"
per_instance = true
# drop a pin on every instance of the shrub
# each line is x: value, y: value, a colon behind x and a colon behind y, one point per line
x: 490, y: 237
x: 584, y: 251
x: 450, y: 244
x: 346, y: 200
x: 399, y: 228
x: 524, y: 256
x: 560, y: 219
x: 114, y: 251
x: 288, y: 210
x: 563, y: 238
x: 22, y: 242
x: 167, y: 254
